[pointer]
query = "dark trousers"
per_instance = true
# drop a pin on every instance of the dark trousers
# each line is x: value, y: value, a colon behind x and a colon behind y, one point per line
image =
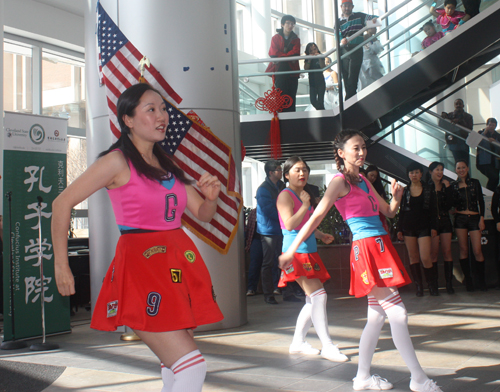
x: 461, y: 155
x: 491, y: 173
x: 269, y: 272
x: 288, y: 86
x: 256, y: 256
x: 317, y: 95
x: 351, y: 65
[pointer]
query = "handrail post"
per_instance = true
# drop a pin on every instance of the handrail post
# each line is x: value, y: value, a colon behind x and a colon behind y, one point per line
x: 339, y: 62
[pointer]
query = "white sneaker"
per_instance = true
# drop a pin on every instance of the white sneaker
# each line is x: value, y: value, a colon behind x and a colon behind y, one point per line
x: 374, y: 383
x: 428, y: 386
x: 332, y: 353
x: 303, y: 348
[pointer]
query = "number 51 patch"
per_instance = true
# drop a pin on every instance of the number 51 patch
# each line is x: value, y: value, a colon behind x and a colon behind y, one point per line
x: 176, y: 275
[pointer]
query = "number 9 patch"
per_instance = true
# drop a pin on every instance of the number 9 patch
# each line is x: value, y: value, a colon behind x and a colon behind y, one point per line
x: 176, y: 275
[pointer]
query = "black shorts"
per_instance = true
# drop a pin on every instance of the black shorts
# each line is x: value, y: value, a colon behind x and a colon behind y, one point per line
x: 444, y: 225
x: 469, y: 222
x: 417, y: 233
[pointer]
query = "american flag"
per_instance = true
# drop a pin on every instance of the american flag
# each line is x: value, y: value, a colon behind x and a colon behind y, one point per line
x: 118, y: 66
x: 198, y: 150
x: 195, y: 147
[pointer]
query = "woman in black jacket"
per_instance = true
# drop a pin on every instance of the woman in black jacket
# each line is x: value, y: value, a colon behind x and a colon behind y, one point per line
x: 317, y: 85
x: 442, y: 190
x: 416, y: 225
x: 467, y: 196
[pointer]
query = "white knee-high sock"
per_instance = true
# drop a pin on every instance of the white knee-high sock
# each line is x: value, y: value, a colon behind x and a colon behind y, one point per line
x: 189, y: 372
x: 398, y: 319
x: 368, y: 343
x: 318, y: 315
x: 304, y: 322
x: 167, y: 376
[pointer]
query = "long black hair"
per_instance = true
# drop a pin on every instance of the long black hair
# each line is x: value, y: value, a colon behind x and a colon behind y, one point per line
x: 127, y: 104
x: 379, y: 187
x: 289, y: 163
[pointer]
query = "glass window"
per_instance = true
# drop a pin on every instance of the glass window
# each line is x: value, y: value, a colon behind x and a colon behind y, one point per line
x: 76, y: 164
x: 17, y: 78
x: 63, y: 91
x: 240, y: 14
x: 301, y: 9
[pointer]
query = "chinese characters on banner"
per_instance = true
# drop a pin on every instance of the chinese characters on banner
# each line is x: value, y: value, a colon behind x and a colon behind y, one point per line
x: 34, y: 169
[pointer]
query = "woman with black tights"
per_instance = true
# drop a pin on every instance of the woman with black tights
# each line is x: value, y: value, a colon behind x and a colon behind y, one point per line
x: 416, y: 225
x: 467, y: 196
x: 442, y: 191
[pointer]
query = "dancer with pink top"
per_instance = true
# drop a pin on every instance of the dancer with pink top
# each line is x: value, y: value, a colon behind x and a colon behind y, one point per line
x: 295, y: 205
x: 376, y: 269
x: 157, y: 284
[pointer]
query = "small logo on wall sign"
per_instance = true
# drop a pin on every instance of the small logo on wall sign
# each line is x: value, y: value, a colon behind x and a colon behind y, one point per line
x: 56, y: 133
x: 37, y: 134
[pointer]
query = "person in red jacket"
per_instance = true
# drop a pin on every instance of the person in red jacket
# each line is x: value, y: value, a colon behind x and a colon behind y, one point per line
x: 285, y: 44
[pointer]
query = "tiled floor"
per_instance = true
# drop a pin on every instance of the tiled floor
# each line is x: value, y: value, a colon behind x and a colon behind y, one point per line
x: 457, y: 339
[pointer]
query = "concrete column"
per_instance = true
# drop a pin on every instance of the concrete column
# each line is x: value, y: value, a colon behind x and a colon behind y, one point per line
x: 193, y: 45
x: 1, y: 104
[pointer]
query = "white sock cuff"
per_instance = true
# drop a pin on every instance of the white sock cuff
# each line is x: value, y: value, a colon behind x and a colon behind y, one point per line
x: 318, y: 292
x: 373, y: 302
x: 391, y: 300
x: 308, y: 299
x: 191, y: 359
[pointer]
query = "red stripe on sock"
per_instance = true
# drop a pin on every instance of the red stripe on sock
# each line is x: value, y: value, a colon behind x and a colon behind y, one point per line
x: 318, y: 293
x: 177, y: 370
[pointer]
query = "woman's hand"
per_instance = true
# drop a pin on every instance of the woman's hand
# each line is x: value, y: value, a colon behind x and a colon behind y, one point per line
x: 446, y: 183
x: 498, y: 226
x: 209, y: 185
x: 401, y: 237
x: 434, y: 233
x: 305, y: 198
x: 396, y: 190
x: 285, y: 260
x: 64, y: 279
x: 327, y: 238
x: 482, y: 226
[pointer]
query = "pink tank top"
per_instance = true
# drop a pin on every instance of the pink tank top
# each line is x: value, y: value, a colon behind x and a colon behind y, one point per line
x: 297, y: 203
x: 357, y: 203
x: 150, y: 205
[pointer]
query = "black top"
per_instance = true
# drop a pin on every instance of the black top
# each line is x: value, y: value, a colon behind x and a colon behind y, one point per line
x: 469, y: 197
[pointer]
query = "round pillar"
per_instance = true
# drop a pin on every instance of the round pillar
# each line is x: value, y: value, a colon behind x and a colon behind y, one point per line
x: 192, y: 44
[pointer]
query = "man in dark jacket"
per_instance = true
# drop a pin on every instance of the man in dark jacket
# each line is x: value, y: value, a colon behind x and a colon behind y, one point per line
x: 269, y: 229
x: 487, y: 163
x: 459, y: 116
x: 286, y: 44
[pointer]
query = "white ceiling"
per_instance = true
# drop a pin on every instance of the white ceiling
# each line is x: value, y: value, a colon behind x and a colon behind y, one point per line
x: 76, y: 7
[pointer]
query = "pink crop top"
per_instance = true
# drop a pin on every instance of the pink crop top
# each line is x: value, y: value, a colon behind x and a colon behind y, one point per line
x: 297, y: 203
x: 357, y: 203
x: 150, y: 205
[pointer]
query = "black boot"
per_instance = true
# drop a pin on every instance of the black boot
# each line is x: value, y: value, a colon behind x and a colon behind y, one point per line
x: 464, y: 264
x: 480, y: 275
x: 448, y: 275
x: 417, y: 278
x: 436, y: 276
x: 431, y: 281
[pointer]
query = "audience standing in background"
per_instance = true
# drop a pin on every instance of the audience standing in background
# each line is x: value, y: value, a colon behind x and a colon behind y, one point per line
x: 432, y: 35
x: 253, y: 246
x: 458, y: 146
x: 471, y: 7
x: 349, y: 24
x: 285, y: 44
x: 487, y: 163
x: 331, y: 84
x: 317, y: 85
x: 372, y: 68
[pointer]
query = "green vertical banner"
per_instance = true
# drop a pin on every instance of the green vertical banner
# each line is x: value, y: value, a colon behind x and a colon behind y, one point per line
x: 34, y: 175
